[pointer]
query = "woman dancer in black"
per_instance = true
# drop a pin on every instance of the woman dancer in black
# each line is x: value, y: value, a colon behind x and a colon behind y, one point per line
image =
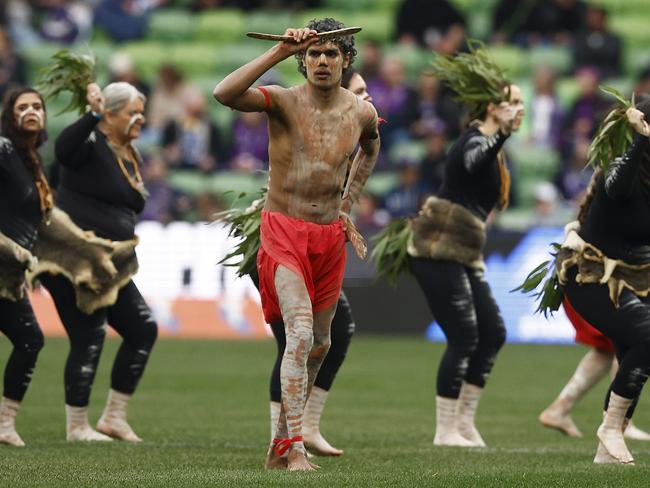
x: 604, y: 266
x: 101, y: 189
x: 25, y: 201
x: 445, y: 255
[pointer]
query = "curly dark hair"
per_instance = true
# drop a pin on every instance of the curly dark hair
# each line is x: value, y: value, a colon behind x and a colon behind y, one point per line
x: 345, y: 43
x: 10, y: 130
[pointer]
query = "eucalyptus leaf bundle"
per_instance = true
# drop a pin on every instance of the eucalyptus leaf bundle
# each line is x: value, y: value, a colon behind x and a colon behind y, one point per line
x: 474, y: 76
x: 69, y: 72
x: 389, y: 252
x: 245, y: 224
x: 552, y: 292
x: 614, y: 135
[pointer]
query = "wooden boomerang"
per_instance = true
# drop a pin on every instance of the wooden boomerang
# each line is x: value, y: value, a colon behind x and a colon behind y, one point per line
x: 348, y: 31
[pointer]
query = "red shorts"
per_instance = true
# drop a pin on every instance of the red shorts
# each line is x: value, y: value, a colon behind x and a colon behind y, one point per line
x: 586, y: 333
x: 316, y: 252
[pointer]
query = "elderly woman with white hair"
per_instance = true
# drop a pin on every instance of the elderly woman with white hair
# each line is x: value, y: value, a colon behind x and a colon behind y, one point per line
x: 101, y: 189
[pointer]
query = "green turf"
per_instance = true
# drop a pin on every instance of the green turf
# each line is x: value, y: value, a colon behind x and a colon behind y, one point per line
x: 202, y: 408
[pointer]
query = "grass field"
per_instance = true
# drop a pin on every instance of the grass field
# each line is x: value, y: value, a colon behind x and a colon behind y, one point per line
x: 202, y: 409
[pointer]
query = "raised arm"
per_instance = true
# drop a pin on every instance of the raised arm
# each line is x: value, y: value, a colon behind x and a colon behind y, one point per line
x: 480, y: 151
x: 72, y: 147
x: 365, y: 159
x: 623, y: 171
x: 235, y: 90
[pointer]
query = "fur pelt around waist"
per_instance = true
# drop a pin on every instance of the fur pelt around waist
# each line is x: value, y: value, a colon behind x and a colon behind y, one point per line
x: 98, y: 268
x: 594, y: 267
x: 444, y: 230
x: 15, y: 262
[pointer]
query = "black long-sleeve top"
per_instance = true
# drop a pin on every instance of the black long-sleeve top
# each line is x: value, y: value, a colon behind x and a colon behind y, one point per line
x: 92, y: 188
x: 618, y: 219
x: 20, y: 208
x: 471, y: 175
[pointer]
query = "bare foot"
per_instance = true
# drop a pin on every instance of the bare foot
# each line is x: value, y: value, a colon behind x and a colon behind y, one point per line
x: 318, y: 446
x: 274, y: 460
x: 555, y: 419
x: 10, y: 437
x: 634, y: 433
x: 118, y: 429
x: 298, y: 461
x: 614, y: 443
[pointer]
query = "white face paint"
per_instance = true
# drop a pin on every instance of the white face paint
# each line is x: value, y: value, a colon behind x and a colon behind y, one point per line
x: 31, y: 111
x: 134, y: 120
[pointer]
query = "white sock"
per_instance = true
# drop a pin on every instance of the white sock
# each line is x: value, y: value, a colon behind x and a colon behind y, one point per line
x: 116, y: 406
x: 446, y: 427
x: 610, y: 432
x: 314, y: 409
x: 8, y: 411
x: 113, y: 420
x: 466, y: 413
x: 78, y: 428
x: 275, y: 408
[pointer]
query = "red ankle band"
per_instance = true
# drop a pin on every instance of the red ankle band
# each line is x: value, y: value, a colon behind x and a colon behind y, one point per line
x: 282, y: 445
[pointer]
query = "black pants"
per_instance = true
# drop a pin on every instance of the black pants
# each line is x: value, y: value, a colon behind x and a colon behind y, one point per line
x: 341, y: 334
x: 129, y: 316
x: 462, y: 303
x: 627, y: 326
x: 18, y: 323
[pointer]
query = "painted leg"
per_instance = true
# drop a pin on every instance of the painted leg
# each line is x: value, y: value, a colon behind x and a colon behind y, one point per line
x: 592, y: 368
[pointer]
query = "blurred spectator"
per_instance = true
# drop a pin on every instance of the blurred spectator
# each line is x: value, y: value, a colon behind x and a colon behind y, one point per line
x: 432, y: 109
x: 61, y: 21
x: 168, y: 97
x: 11, y: 65
x: 642, y: 85
x: 121, y: 68
x: 250, y: 142
x: 164, y: 204
x: 371, y: 56
x: 125, y: 20
x: 427, y: 22
x: 509, y: 20
x: 545, y: 110
x: 586, y: 112
x: 206, y: 205
x: 368, y: 217
x: 405, y: 199
x: 192, y: 141
x: 575, y: 175
x: 547, y: 209
x: 391, y: 97
x: 596, y: 46
x: 201, y: 5
x: 545, y: 21
x: 432, y: 166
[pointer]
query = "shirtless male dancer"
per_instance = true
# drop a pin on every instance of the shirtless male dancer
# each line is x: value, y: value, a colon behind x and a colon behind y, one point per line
x: 313, y: 129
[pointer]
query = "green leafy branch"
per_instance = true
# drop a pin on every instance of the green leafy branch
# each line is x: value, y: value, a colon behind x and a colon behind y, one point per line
x: 551, y: 293
x: 474, y: 76
x: 70, y: 72
x: 389, y: 251
x: 244, y: 223
x: 614, y: 134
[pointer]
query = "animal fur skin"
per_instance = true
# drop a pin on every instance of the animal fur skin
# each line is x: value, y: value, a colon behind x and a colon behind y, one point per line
x: 447, y: 231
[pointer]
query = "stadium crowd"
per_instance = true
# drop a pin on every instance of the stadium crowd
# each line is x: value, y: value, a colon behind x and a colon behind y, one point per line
x: 559, y: 51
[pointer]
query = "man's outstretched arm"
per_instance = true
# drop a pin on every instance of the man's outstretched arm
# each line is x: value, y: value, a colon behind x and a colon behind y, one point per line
x: 235, y: 90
